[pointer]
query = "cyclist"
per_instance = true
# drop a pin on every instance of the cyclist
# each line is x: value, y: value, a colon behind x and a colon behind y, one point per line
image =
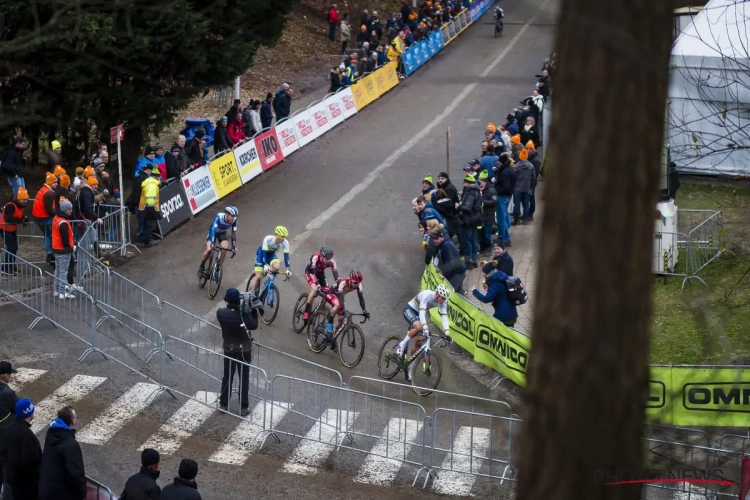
x: 265, y: 257
x: 315, y: 274
x: 498, y: 18
x: 415, y: 315
x: 335, y: 297
x: 218, y: 231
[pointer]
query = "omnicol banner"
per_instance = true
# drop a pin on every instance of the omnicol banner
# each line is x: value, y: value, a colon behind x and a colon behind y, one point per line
x: 225, y: 174
x: 174, y: 207
x: 248, y: 162
x: 678, y: 395
x: 269, y: 149
x: 199, y: 188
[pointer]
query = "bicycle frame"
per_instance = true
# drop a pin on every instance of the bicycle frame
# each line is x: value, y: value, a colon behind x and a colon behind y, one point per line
x: 347, y: 321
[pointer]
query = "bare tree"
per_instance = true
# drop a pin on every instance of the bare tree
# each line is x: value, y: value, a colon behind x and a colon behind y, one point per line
x: 589, y: 370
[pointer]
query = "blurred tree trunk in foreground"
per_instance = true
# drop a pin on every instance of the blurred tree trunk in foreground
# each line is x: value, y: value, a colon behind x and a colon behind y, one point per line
x: 588, y: 372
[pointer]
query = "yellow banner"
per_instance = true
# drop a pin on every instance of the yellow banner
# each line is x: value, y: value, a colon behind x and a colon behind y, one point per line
x: 359, y: 94
x: 389, y: 77
x: 225, y: 174
x: 368, y: 84
x: 659, y: 402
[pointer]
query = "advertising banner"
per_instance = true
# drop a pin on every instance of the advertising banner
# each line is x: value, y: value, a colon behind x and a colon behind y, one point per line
x: 431, y: 47
x: 174, y: 207
x: 225, y: 174
x: 287, y: 137
x: 425, y: 49
x: 659, y: 402
x: 319, y: 115
x: 335, y: 109
x: 360, y: 95
x: 371, y: 92
x: 199, y: 189
x: 437, y: 38
x: 418, y: 59
x: 304, y: 127
x: 347, y: 102
x: 462, y: 20
x: 410, y: 64
x: 390, y: 71
x: 714, y: 396
x: 452, y: 29
x: 248, y: 163
x: 445, y: 34
x: 269, y: 149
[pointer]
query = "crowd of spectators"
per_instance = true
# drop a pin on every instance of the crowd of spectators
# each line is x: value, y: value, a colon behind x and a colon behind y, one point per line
x: 498, y: 191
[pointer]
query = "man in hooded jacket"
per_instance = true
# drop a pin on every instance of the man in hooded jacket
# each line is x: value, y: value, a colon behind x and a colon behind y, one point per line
x: 23, y: 455
x: 470, y: 213
x: 497, y: 294
x: 142, y: 485
x: 446, y: 257
x: 536, y: 160
x: 444, y: 182
x: 63, y: 476
x: 524, y: 180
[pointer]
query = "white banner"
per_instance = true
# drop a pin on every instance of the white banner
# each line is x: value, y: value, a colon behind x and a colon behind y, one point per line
x: 199, y: 188
x: 305, y: 128
x: 287, y: 137
x: 347, y: 102
x: 319, y: 114
x: 248, y: 162
x: 335, y: 110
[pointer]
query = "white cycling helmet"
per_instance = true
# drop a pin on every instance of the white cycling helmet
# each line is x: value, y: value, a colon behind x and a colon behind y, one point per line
x: 232, y: 210
x: 443, y: 291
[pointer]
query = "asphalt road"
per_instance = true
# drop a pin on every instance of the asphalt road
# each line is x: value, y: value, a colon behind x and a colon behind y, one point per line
x: 351, y: 191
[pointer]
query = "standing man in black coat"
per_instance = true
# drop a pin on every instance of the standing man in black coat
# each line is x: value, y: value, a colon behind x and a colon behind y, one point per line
x: 184, y: 486
x: 8, y: 399
x: 23, y: 454
x: 142, y: 486
x: 63, y: 476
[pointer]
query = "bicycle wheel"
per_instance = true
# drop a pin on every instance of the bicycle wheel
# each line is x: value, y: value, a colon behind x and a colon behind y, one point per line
x: 316, y: 332
x: 351, y: 346
x: 214, y: 280
x: 270, y: 299
x: 204, y: 278
x: 298, y: 324
x: 426, y: 376
x: 388, y: 367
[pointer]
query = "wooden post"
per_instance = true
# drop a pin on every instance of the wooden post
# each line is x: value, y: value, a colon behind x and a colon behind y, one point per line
x: 448, y: 151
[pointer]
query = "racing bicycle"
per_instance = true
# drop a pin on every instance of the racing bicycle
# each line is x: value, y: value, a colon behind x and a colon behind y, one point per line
x: 352, y: 344
x: 299, y: 324
x: 427, y: 363
x: 212, y: 270
x: 269, y: 296
x: 498, y: 25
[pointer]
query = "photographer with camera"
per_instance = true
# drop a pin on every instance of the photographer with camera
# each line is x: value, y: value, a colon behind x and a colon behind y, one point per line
x: 237, y: 319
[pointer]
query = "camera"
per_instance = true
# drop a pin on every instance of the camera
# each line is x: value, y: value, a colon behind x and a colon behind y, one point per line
x: 250, y: 302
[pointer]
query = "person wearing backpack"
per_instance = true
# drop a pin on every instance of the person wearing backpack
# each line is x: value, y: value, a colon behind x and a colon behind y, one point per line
x: 497, y: 294
x: 470, y: 216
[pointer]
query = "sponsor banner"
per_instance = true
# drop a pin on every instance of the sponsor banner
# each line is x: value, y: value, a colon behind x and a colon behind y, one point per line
x: 452, y: 29
x: 269, y: 149
x: 431, y: 46
x: 335, y: 109
x: 371, y: 90
x: 174, y: 207
x: 378, y: 78
x: 445, y: 34
x: 364, y: 92
x: 225, y: 174
x: 248, y: 162
x: 199, y: 188
x: 319, y: 114
x: 418, y: 59
x: 479, y: 8
x: 659, y: 402
x: 287, y: 137
x: 347, y: 102
x: 390, y: 70
x: 410, y: 63
x: 462, y: 23
x: 437, y: 39
x: 304, y: 127
x: 711, y: 396
x: 425, y: 49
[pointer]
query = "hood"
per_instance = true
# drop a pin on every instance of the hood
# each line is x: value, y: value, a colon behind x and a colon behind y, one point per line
x: 497, y: 276
x: 59, y: 432
x: 524, y: 165
x: 473, y: 187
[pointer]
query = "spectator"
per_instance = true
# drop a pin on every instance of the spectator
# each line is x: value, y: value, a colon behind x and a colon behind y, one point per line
x: 282, y: 102
x: 142, y: 485
x: 488, y: 162
x: 375, y: 26
x: 194, y: 149
x: 78, y: 179
x: 63, y: 245
x: 364, y: 52
x: 372, y: 63
x: 485, y: 143
x: 529, y: 132
x: 54, y: 155
x: 405, y: 11
x: 489, y: 201
x: 62, y: 476
x: 497, y: 294
x: 174, y: 162
x: 148, y: 208
x: 505, y: 186
x: 147, y: 159
x: 8, y: 400
x: 234, y: 129
x: 427, y: 212
x: 333, y: 21
x: 62, y: 191
x: 382, y: 56
x: 362, y: 67
x: 470, y: 214
x: 145, y: 174
x: 504, y: 262
x: 87, y: 199
x: 347, y: 73
x: 23, y: 454
x: 222, y: 142
x: 266, y: 114
x: 543, y: 84
x: 365, y: 20
x: 254, y: 125
x: 346, y: 33
x: 524, y: 180
x: 184, y: 486
x: 362, y: 37
x: 536, y: 160
x: 446, y: 207
x: 444, y: 182
x: 447, y: 259
x: 335, y: 78
x: 236, y: 108
x: 159, y: 161
x: 182, y: 164
x: 505, y: 137
x: 510, y: 124
x: 516, y: 146
x: 428, y: 188
x: 374, y: 38
x: 104, y: 157
x: 13, y: 164
x: 10, y: 218
x: 43, y: 211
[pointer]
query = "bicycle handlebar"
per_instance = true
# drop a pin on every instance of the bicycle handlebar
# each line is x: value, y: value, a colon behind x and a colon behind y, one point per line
x: 286, y: 278
x: 220, y: 249
x: 359, y: 314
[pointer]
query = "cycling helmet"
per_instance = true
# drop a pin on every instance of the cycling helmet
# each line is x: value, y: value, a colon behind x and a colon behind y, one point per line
x: 232, y: 210
x: 326, y: 252
x: 356, y: 276
x: 443, y: 291
x: 281, y: 231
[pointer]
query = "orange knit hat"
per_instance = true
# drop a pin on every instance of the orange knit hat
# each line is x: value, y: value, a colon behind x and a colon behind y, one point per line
x: 59, y: 171
x: 50, y: 179
x: 88, y: 171
x: 22, y: 194
x: 530, y: 146
x: 523, y: 155
x: 491, y: 127
x: 65, y: 181
x: 516, y: 139
x: 93, y: 181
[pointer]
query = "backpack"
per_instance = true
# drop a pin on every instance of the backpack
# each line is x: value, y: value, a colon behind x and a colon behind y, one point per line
x: 516, y: 291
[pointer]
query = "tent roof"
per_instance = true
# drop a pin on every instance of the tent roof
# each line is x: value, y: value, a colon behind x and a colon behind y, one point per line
x: 720, y: 29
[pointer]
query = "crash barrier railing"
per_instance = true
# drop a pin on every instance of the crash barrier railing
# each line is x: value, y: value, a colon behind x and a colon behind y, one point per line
x: 98, y: 491
x: 31, y: 244
x: 112, y: 236
x: 667, y: 257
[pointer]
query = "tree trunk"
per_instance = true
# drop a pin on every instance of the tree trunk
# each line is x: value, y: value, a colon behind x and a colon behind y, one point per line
x: 588, y: 371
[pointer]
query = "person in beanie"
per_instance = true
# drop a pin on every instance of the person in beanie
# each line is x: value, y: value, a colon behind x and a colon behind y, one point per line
x: 524, y: 181
x: 447, y: 259
x: 148, y: 208
x: 502, y: 258
x: 43, y: 211
x: 63, y: 476
x: 184, y: 486
x: 222, y: 142
x: 346, y: 33
x: 10, y: 218
x: 63, y: 245
x: 536, y: 160
x: 22, y: 454
x: 142, y: 486
x: 445, y: 206
x: 444, y: 182
x: 428, y: 188
x: 147, y: 159
x: 470, y: 214
x: 497, y: 294
x: 489, y: 200
x: 333, y: 21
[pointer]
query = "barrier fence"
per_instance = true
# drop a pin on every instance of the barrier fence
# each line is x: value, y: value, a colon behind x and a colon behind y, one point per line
x: 98, y: 491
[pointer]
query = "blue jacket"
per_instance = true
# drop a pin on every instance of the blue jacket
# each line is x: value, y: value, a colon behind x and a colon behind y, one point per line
x: 488, y: 162
x: 266, y: 115
x: 497, y: 295
x: 513, y: 128
x: 430, y: 213
x: 142, y: 162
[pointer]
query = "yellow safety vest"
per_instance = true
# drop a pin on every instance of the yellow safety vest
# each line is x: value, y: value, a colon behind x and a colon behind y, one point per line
x: 149, y: 193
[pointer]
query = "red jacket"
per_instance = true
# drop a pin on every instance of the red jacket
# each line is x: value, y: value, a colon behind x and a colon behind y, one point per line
x: 333, y: 16
x: 234, y: 130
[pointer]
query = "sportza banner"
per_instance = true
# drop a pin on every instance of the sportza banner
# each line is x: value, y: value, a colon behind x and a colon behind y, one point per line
x: 304, y: 127
x: 248, y: 163
x: 269, y: 149
x: 319, y: 115
x: 225, y: 175
x: 199, y: 188
x: 174, y: 207
x: 287, y: 137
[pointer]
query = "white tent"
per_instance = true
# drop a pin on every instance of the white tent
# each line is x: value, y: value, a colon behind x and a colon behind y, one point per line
x: 709, y: 92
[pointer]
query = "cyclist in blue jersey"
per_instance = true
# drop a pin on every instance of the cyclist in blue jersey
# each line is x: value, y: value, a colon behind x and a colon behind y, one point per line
x: 219, y: 227
x: 266, y: 259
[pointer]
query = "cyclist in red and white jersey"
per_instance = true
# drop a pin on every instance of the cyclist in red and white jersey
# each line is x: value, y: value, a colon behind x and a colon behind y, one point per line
x: 315, y: 274
x: 335, y: 297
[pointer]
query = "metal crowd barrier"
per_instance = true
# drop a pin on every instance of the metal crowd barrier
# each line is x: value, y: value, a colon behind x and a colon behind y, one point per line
x: 26, y: 286
x: 98, y: 491
x: 110, y: 232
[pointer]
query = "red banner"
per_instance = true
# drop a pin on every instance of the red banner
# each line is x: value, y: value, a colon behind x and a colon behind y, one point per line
x: 269, y: 149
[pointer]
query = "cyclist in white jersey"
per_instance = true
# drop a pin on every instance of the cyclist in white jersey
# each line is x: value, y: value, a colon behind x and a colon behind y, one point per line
x: 415, y: 313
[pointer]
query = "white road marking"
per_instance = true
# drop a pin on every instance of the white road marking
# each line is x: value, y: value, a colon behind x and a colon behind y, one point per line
x: 468, y: 456
x: 22, y: 360
x: 395, y: 444
x: 184, y: 422
x: 239, y: 445
x: 25, y: 376
x: 119, y: 414
x: 308, y: 457
x: 69, y: 393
